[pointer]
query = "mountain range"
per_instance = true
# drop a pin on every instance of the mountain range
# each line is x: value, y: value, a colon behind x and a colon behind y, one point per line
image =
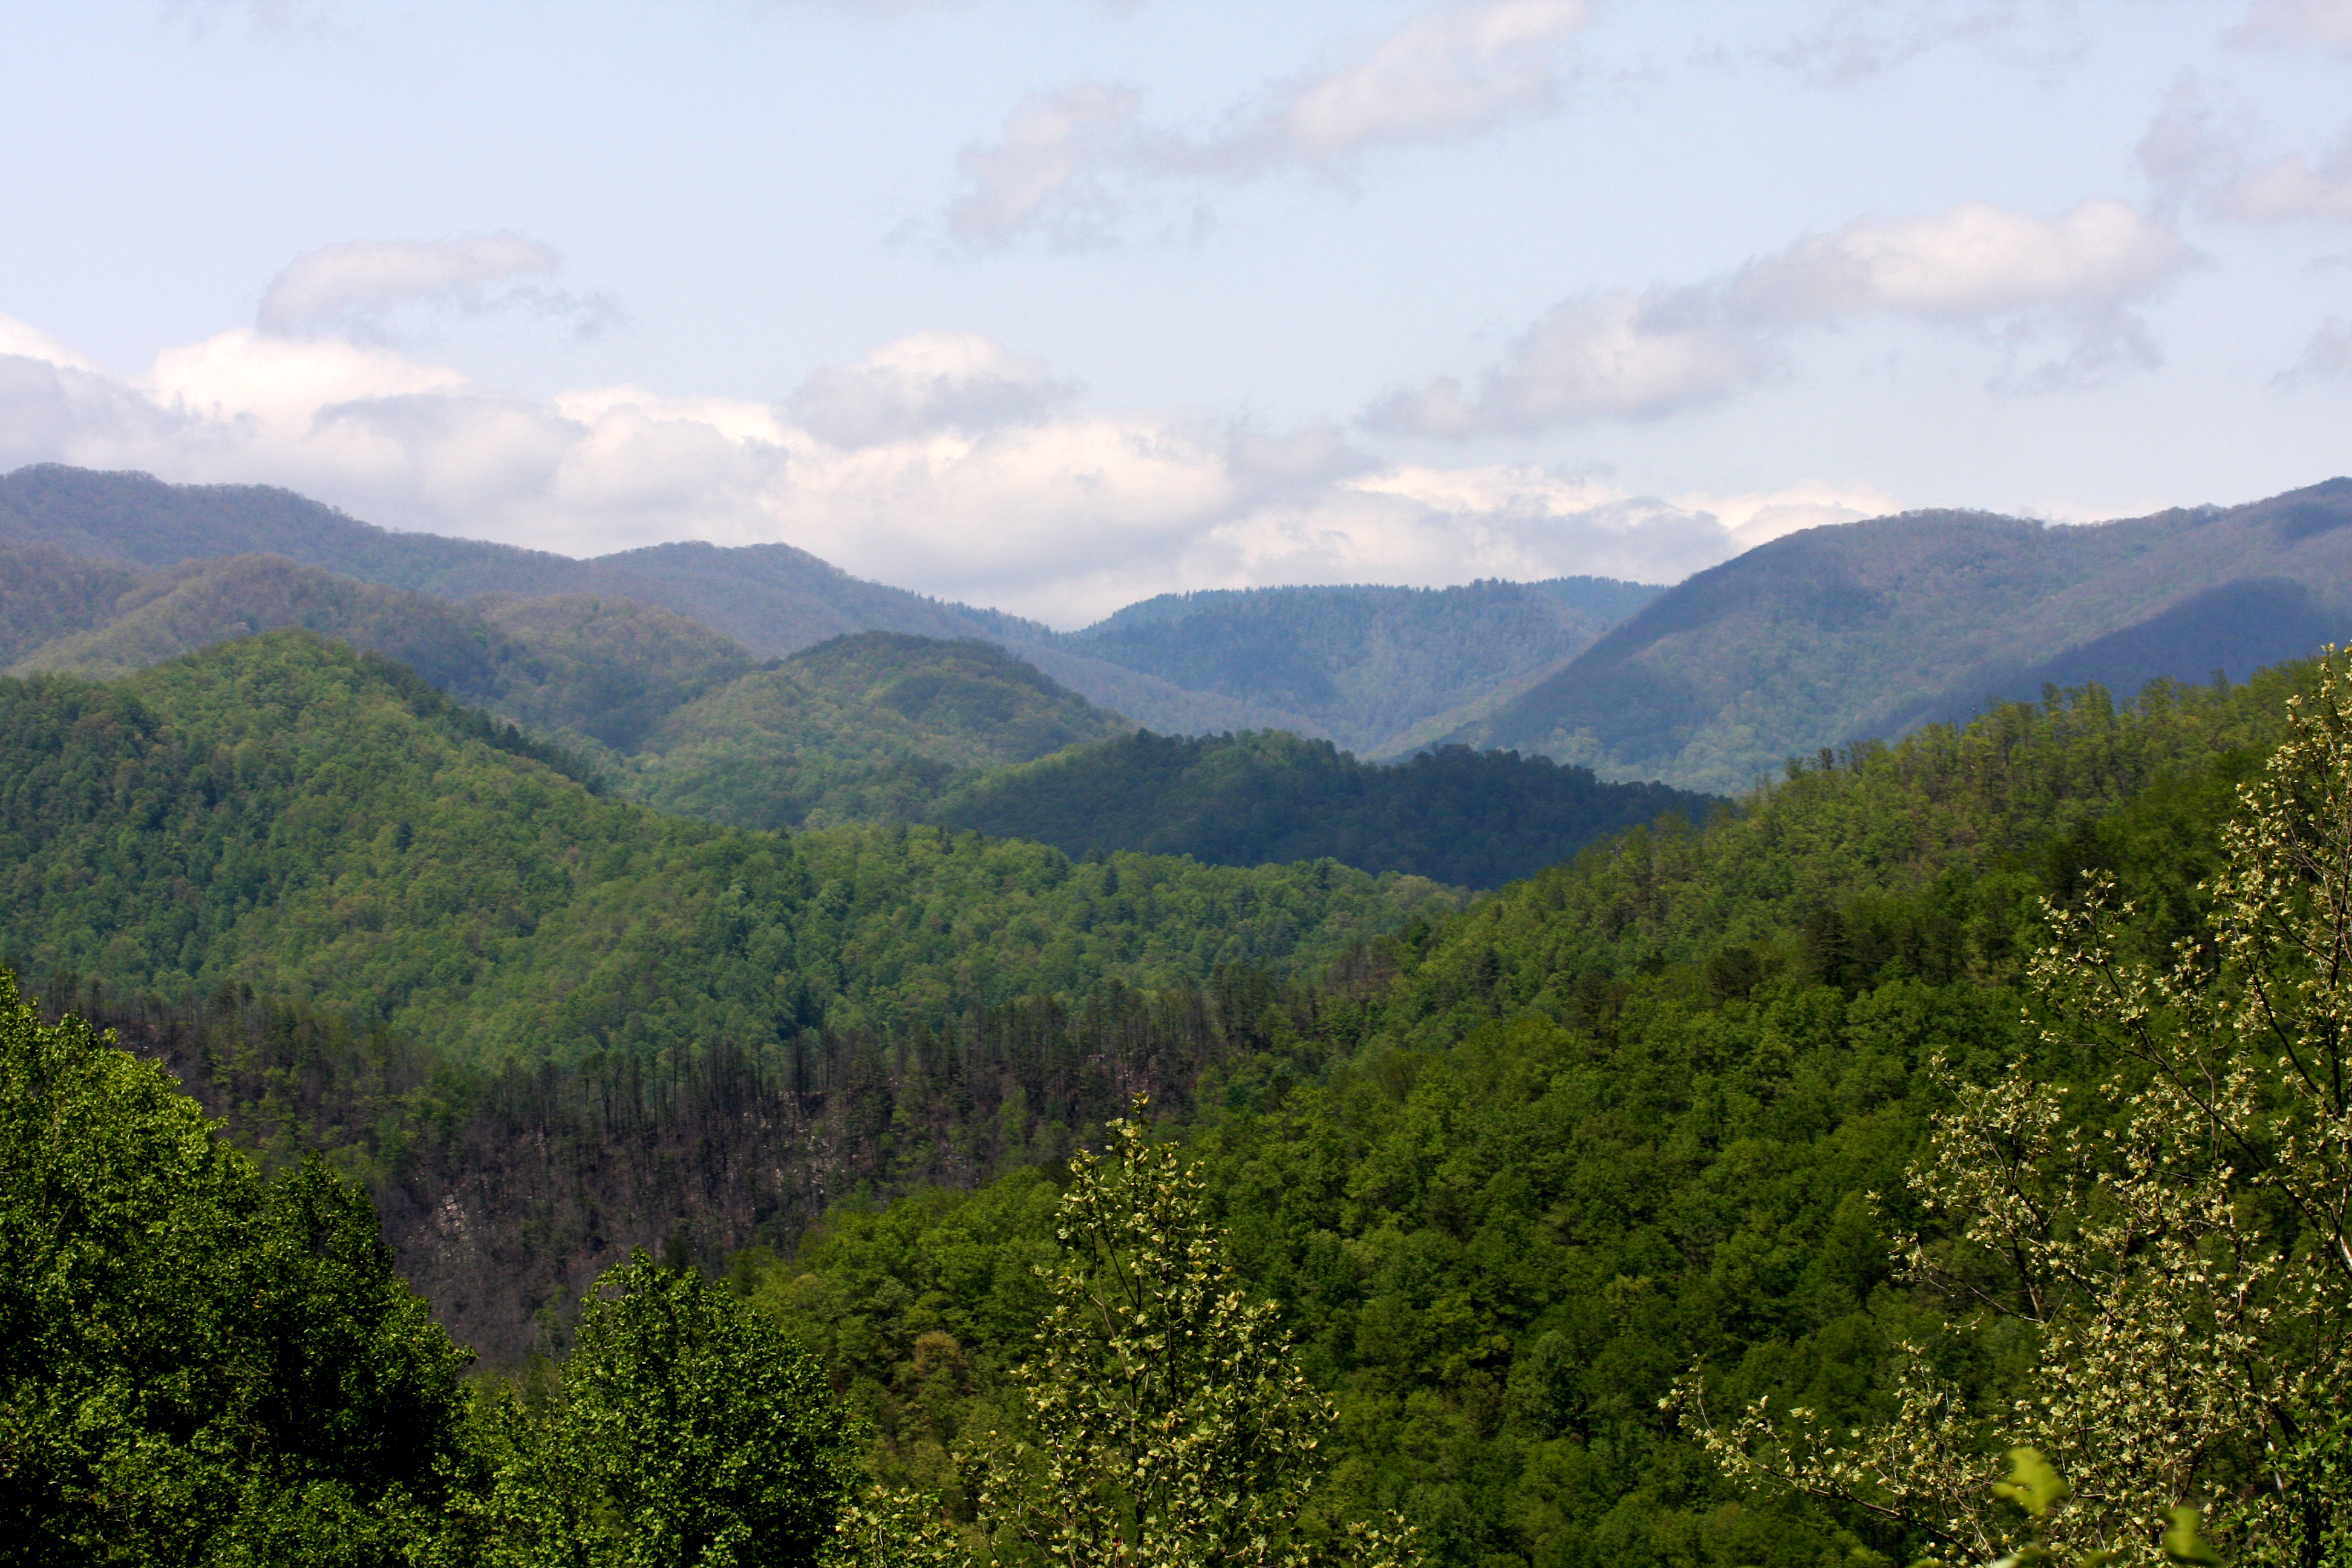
x: 1813, y: 640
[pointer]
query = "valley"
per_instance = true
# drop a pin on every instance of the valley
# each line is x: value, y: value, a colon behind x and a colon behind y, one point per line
x: 565, y: 925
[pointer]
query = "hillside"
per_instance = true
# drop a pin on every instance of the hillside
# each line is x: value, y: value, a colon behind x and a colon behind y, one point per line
x: 1506, y: 1175
x: 1466, y: 818
x: 1362, y: 666
x: 1869, y: 628
x: 873, y: 727
x: 772, y: 598
x: 283, y: 812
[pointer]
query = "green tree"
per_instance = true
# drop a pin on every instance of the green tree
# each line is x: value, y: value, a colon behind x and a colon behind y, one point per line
x: 1168, y: 1422
x: 196, y: 1366
x: 688, y: 1433
x: 2151, y: 1219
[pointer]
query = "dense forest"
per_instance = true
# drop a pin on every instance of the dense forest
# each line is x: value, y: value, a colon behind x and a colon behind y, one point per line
x: 1556, y: 1198
x: 1366, y: 666
x: 504, y: 1153
x: 874, y: 727
x: 1476, y: 819
x: 317, y: 824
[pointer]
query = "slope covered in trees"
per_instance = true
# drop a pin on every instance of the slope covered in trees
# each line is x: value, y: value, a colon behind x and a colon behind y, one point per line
x: 1867, y: 629
x: 1363, y: 665
x: 284, y: 813
x: 869, y: 728
x: 1511, y: 1175
x: 772, y: 598
x: 1622, y: 1122
x: 1471, y: 819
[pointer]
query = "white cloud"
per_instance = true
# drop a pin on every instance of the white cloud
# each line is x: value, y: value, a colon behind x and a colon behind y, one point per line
x: 944, y: 463
x: 29, y: 342
x: 1069, y: 162
x: 2070, y: 278
x: 923, y: 383
x: 2296, y: 23
x: 1595, y: 356
x: 401, y: 291
x: 2202, y: 156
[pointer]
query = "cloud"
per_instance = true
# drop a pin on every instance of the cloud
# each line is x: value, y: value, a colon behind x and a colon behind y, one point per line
x: 929, y: 382
x: 1595, y: 356
x: 2326, y: 357
x: 1621, y: 356
x: 2203, y: 156
x: 944, y: 462
x: 1863, y: 39
x: 2296, y: 23
x: 404, y: 291
x: 1045, y: 172
x: 1069, y: 163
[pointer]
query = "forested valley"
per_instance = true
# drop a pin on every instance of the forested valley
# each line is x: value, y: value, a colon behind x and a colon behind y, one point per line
x: 530, y: 1080
x: 1738, y: 1190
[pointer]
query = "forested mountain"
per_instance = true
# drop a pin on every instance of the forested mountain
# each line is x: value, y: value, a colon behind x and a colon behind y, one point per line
x: 282, y: 812
x: 869, y: 728
x: 1868, y: 628
x: 1508, y: 1175
x: 772, y: 598
x: 1468, y: 818
x: 874, y: 727
x: 1363, y: 665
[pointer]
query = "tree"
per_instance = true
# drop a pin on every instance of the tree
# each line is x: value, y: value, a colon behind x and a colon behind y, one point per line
x: 1167, y: 1422
x: 686, y: 1433
x: 196, y: 1366
x: 2154, y: 1218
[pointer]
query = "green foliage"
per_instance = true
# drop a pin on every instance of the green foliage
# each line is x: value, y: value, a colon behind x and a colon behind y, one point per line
x: 609, y: 669
x: 869, y: 728
x: 46, y: 593
x: 289, y: 815
x: 1164, y: 1419
x: 685, y: 1431
x: 1456, y: 816
x: 196, y: 1366
x: 1510, y: 1175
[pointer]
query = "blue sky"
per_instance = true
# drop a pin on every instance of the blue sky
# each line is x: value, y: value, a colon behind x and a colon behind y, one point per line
x: 1058, y: 305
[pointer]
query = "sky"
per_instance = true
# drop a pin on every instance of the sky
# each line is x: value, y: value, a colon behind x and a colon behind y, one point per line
x: 1053, y: 305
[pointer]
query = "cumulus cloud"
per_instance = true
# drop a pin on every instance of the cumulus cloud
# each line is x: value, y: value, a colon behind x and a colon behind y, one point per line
x: 404, y: 291
x: 1068, y: 163
x: 2296, y: 23
x: 2069, y: 280
x: 944, y: 462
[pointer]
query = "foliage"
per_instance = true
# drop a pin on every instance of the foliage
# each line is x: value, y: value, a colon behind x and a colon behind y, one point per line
x: 1164, y: 1417
x: 685, y: 1431
x: 866, y: 728
x: 1455, y: 815
x: 293, y: 817
x: 196, y: 1366
x: 2152, y: 1210
x: 1508, y: 1176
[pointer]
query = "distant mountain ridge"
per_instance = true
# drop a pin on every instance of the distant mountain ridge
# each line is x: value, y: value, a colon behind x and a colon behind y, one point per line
x: 1361, y: 664
x: 1388, y: 657
x: 1868, y: 629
